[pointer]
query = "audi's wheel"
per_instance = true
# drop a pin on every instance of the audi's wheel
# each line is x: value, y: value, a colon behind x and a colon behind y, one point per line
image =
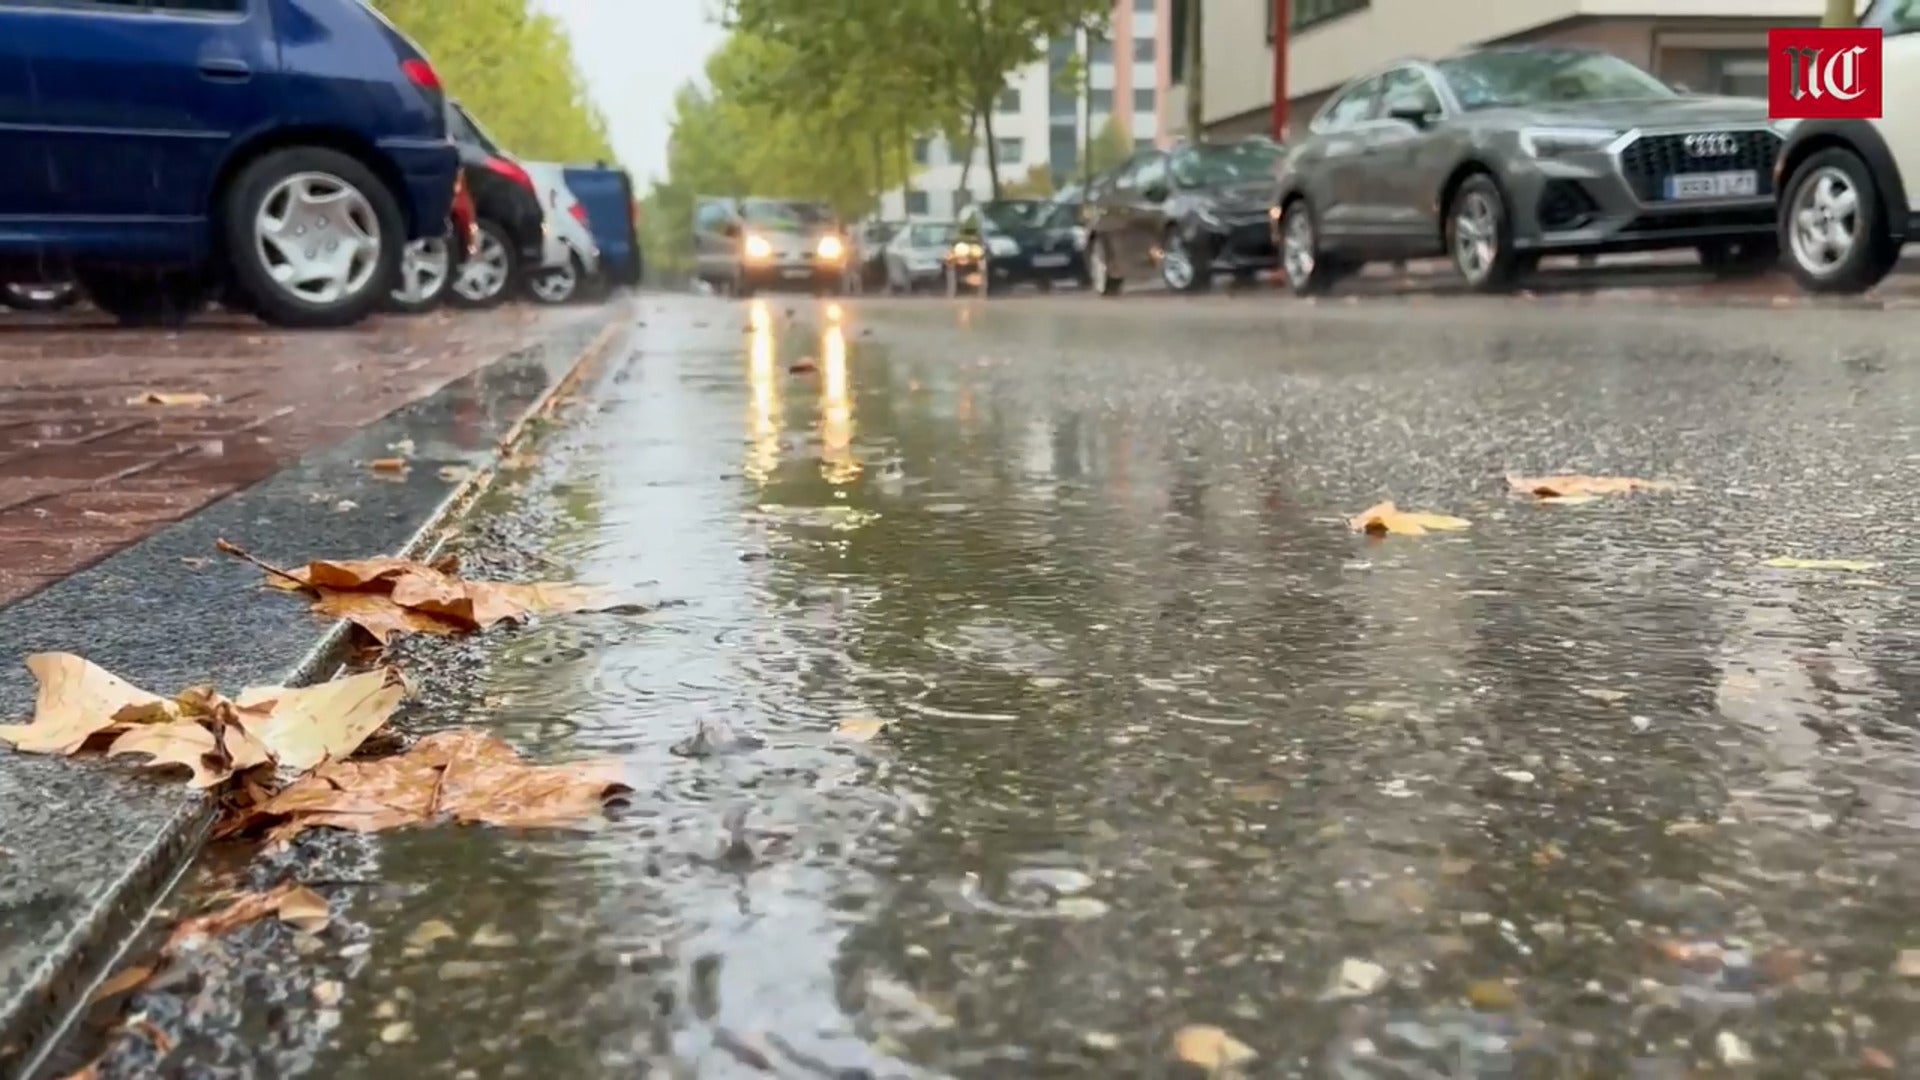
x: 1480, y: 235
x: 1185, y: 266
x: 1833, y: 226
x: 1308, y: 269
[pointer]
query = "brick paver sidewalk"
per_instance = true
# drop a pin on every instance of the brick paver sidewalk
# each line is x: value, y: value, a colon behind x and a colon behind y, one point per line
x: 85, y: 468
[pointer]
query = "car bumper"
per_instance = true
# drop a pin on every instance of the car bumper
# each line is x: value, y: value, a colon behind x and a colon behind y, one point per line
x: 1614, y: 200
x: 792, y: 275
x: 1239, y: 244
x: 1022, y: 268
x: 427, y: 170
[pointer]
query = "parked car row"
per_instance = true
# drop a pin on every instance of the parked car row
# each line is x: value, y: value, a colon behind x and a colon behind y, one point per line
x: 1494, y: 159
x: 295, y: 159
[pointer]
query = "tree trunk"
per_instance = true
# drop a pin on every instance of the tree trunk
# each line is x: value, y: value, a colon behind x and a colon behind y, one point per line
x: 966, y: 160
x: 1086, y: 111
x: 1839, y: 13
x: 993, y: 152
x: 1196, y: 78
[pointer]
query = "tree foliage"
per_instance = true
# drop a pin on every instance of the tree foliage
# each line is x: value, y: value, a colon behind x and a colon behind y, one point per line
x: 514, y: 69
x: 1111, y: 147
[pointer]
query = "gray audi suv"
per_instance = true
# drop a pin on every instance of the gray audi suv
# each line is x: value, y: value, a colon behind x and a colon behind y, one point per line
x: 1499, y: 156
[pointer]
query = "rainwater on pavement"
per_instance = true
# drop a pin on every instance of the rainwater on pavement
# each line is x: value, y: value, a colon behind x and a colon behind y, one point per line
x: 1581, y: 790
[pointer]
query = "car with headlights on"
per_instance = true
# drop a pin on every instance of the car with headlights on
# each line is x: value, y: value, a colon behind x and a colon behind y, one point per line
x: 916, y: 256
x: 1186, y: 214
x: 742, y: 246
x: 1003, y: 243
x: 1499, y: 156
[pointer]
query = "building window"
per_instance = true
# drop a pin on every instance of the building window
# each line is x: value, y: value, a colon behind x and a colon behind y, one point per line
x: 1100, y: 101
x: 1143, y: 50
x: 1143, y: 100
x: 1144, y: 7
x: 1065, y: 155
x: 1738, y: 74
x: 1099, y: 51
x: 922, y: 151
x: 1009, y: 151
x: 916, y: 202
x: 1177, y: 40
x: 1009, y: 100
x: 1302, y: 14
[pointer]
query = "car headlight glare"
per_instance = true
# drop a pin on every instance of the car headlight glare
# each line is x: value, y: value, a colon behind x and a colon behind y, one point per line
x: 830, y: 247
x: 1554, y: 142
x: 758, y: 247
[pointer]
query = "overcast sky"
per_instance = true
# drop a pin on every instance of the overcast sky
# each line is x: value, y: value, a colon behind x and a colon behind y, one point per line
x: 635, y: 54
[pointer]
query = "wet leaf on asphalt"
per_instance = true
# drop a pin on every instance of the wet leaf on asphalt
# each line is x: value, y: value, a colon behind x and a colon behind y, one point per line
x: 1385, y: 518
x: 1907, y: 964
x: 1567, y: 487
x: 804, y: 366
x: 123, y: 981
x: 247, y: 908
x: 862, y: 728
x: 306, y: 726
x: 389, y: 596
x: 1354, y: 979
x: 77, y: 700
x: 424, y: 935
x: 1211, y: 1048
x: 171, y: 399
x: 467, y: 776
x: 305, y: 910
x: 397, y: 1032
x: 1788, y: 562
x: 388, y: 465
x: 1491, y: 994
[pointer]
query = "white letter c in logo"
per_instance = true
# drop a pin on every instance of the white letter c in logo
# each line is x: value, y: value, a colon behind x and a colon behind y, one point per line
x: 1842, y: 70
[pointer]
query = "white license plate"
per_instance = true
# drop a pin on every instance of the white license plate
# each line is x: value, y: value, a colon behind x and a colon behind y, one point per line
x: 1714, y: 185
x: 1049, y: 260
x: 796, y: 272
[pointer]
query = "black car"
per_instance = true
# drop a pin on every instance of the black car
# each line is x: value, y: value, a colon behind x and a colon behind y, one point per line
x: 510, y: 233
x: 1187, y: 214
x: 1007, y: 242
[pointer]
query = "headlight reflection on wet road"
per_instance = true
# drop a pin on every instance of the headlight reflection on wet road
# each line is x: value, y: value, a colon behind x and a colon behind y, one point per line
x: 838, y: 465
x: 763, y: 457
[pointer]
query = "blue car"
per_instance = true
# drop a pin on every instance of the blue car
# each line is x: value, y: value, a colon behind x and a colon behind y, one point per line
x: 613, y: 217
x: 278, y: 154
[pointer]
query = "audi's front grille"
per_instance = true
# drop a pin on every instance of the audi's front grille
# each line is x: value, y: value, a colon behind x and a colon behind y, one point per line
x: 1649, y: 160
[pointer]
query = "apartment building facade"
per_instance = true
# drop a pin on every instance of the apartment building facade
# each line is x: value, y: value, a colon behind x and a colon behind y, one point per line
x: 1047, y: 118
x: 1711, y: 46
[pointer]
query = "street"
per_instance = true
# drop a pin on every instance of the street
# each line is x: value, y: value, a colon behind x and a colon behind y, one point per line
x: 1019, y: 697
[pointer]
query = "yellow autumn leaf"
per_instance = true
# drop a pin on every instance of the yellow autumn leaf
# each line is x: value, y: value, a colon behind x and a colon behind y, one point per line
x: 1788, y: 562
x: 79, y: 699
x: 1384, y: 518
x: 1211, y: 1047
x: 323, y: 722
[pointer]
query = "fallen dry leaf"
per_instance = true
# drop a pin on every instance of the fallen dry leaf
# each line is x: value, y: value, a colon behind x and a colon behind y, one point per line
x: 388, y: 464
x: 1788, y: 562
x: 78, y: 699
x: 1384, y: 518
x: 1211, y: 1048
x: 1572, y: 487
x: 306, y: 726
x: 162, y: 397
x: 467, y: 776
x: 304, y: 910
x: 388, y: 596
x: 214, y: 749
x: 247, y: 908
x: 123, y: 981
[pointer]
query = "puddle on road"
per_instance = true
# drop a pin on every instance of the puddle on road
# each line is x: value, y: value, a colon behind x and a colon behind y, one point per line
x: 1584, y: 794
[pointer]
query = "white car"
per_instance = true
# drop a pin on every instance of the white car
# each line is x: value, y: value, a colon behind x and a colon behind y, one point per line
x: 1850, y: 189
x: 571, y: 258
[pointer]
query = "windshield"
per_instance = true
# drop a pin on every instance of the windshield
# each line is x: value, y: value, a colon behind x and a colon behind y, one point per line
x: 1520, y: 77
x: 1224, y: 163
x: 1013, y: 214
x: 929, y: 235
x: 785, y: 216
x: 1893, y: 16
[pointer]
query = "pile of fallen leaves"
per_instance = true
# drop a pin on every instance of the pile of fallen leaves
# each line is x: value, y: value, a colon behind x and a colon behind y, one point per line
x: 1567, y: 489
x: 386, y: 597
x: 244, y: 746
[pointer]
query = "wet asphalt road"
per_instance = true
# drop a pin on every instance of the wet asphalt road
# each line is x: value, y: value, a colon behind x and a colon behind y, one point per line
x: 1579, y: 791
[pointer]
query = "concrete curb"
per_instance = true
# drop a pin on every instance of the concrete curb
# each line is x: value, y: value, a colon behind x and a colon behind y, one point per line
x: 88, y: 848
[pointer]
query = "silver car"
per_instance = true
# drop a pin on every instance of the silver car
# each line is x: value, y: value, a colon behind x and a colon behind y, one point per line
x: 1499, y: 156
x: 917, y: 255
x: 570, y: 258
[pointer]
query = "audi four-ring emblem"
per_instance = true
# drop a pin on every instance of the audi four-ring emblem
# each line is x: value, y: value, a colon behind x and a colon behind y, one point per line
x: 1712, y: 144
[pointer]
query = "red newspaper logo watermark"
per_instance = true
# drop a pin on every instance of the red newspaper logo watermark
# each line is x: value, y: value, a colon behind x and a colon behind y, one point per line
x: 1823, y: 73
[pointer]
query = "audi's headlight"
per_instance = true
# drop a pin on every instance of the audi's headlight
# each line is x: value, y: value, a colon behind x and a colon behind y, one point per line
x: 1002, y: 245
x: 758, y: 247
x: 830, y: 248
x: 1555, y: 142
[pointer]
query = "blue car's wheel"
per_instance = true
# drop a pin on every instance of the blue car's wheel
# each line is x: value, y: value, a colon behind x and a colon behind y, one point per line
x: 314, y: 238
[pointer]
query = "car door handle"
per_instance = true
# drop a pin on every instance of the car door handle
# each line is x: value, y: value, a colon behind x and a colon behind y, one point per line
x: 226, y: 70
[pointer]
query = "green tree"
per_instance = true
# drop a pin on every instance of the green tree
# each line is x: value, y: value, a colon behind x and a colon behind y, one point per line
x: 1037, y: 184
x: 1110, y: 149
x: 537, y: 104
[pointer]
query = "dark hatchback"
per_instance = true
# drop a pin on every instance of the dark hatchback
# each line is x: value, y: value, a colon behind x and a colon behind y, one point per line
x: 1186, y: 214
x: 1007, y: 242
x: 511, y: 231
